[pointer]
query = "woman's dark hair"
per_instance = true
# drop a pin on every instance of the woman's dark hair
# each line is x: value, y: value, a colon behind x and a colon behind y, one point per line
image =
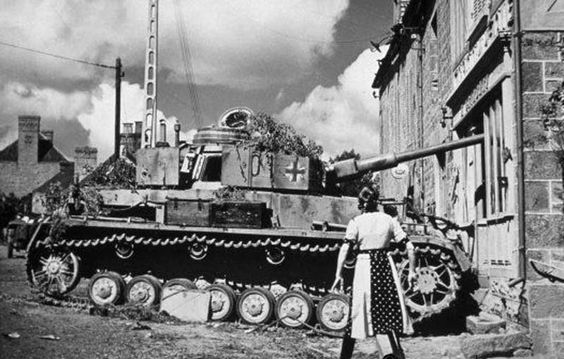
x: 390, y: 210
x: 368, y: 199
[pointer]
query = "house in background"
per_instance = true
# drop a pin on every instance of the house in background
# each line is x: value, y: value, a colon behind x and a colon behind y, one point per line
x: 31, y: 160
x: 31, y: 164
x: 459, y: 68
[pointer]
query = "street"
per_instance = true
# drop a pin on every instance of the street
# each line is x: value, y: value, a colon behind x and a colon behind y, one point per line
x: 77, y: 334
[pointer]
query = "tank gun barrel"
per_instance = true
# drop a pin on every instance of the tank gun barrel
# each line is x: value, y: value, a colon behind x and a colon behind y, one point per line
x: 348, y: 169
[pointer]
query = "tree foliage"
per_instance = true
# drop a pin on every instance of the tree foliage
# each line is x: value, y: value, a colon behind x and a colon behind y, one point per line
x: 269, y: 135
x: 118, y: 173
x: 553, y: 120
x: 352, y: 187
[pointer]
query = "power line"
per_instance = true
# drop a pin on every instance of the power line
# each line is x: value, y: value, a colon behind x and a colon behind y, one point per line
x: 57, y: 56
x: 187, y: 61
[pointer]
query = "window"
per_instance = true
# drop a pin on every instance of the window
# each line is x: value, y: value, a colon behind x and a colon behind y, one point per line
x: 459, y: 18
x: 496, y: 180
x: 466, y: 16
x: 484, y: 172
x: 212, y: 169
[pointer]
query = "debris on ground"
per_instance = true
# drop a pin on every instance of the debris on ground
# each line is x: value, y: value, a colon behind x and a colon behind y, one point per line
x: 50, y: 337
x: 13, y: 335
x: 137, y: 312
x: 139, y: 326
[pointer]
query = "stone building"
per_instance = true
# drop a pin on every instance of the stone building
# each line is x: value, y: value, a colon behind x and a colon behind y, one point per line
x: 459, y: 68
x: 31, y: 160
x: 31, y: 164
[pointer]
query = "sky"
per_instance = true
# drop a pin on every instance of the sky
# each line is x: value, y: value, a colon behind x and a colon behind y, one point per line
x: 306, y: 62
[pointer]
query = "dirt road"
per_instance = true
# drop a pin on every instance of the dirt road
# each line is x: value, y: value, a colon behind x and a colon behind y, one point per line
x: 79, y: 334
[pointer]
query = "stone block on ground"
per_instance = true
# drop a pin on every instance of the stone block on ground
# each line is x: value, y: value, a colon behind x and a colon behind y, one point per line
x: 523, y: 353
x: 188, y: 305
x: 491, y: 345
x: 485, y: 324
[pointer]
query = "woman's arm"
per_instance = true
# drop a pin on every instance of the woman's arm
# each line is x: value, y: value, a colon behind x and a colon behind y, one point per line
x: 411, y: 258
x: 340, y: 263
x: 401, y: 236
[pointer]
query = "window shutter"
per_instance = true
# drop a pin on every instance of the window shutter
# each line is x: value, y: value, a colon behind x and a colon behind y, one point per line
x: 479, y: 9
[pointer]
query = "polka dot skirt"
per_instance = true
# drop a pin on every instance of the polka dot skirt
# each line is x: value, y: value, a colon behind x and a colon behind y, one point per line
x: 385, y: 302
x: 386, y: 312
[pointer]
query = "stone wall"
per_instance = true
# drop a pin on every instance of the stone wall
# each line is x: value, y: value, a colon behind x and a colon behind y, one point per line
x: 542, y: 70
x: 410, y: 107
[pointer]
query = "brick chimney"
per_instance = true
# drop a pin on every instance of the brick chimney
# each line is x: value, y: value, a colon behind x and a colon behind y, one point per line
x: 28, y: 140
x: 85, y: 161
x: 48, y: 134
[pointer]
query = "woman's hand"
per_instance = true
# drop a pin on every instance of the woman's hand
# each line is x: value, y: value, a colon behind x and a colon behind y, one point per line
x: 338, y: 283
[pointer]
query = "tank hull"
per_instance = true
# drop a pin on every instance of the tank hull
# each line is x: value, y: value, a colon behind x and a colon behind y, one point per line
x: 278, y: 259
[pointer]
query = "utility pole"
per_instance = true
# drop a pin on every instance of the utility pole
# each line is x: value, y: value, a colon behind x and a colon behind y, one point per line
x: 149, y: 137
x: 117, y: 124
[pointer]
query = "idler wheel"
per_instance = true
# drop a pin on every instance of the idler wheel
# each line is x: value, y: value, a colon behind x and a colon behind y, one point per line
x: 294, y: 308
x: 223, y: 301
x: 54, y: 272
x: 255, y: 306
x: 434, y: 287
x: 176, y: 285
x: 333, y: 312
x: 106, y: 288
x: 144, y: 289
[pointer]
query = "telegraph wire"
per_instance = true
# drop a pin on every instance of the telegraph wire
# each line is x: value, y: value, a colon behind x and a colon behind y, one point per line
x: 57, y: 56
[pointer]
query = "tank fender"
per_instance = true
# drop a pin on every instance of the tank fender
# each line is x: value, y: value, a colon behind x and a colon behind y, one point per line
x: 461, y: 257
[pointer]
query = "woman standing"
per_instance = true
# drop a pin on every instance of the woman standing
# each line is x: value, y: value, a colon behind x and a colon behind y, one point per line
x: 377, y: 307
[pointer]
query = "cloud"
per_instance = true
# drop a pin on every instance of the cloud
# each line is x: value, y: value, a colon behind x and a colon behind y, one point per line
x: 90, y: 114
x: 344, y: 116
x: 99, y: 120
x: 239, y: 44
x: 24, y: 99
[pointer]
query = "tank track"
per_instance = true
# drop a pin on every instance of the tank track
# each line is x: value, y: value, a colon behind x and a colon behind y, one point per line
x: 187, y: 239
x: 399, y: 255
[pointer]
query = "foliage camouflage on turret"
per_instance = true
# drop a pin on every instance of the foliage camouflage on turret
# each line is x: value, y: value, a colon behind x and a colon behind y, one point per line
x: 269, y: 135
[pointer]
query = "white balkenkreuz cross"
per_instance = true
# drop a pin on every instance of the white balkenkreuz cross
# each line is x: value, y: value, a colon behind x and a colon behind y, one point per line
x: 294, y: 172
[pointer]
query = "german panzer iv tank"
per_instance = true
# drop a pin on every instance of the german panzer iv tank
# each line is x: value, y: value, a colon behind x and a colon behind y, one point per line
x: 268, y: 249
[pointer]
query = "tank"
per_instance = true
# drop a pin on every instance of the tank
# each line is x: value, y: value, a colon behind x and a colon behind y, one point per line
x: 261, y: 231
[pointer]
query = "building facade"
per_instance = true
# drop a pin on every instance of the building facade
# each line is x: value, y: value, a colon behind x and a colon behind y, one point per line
x: 31, y: 160
x: 458, y: 68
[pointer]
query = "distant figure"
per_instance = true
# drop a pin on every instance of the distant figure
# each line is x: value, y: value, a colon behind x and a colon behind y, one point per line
x: 377, y: 308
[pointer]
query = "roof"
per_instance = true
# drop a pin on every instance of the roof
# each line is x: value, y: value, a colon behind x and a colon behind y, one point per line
x: 64, y: 177
x: 46, y: 152
x: 400, y: 41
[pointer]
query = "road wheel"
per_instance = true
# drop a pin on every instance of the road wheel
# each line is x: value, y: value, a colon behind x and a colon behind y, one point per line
x: 255, y: 306
x: 176, y: 285
x: 294, y: 308
x: 144, y: 289
x: 106, y: 288
x: 333, y: 312
x: 54, y: 272
x: 223, y: 301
